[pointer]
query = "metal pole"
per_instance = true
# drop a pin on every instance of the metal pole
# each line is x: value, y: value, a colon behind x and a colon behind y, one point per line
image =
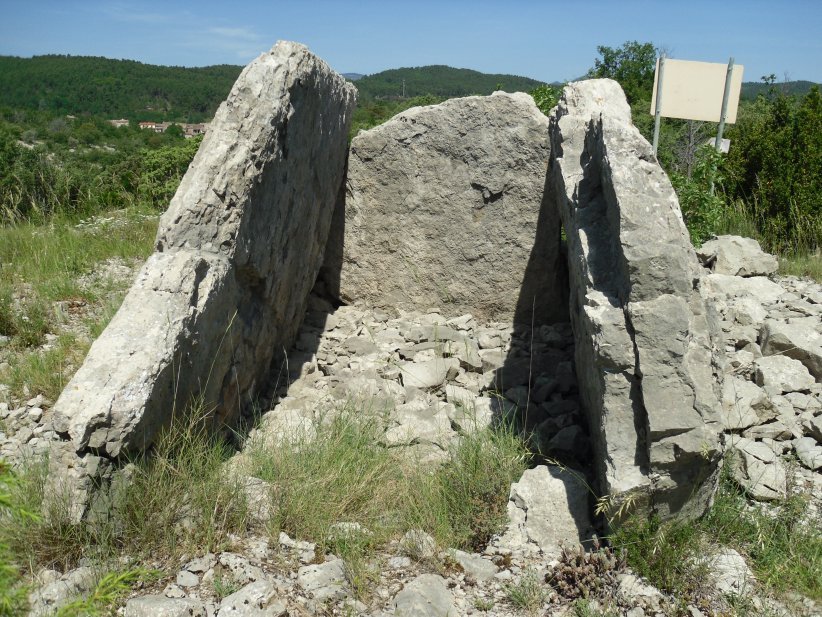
x: 725, y: 98
x: 658, y: 110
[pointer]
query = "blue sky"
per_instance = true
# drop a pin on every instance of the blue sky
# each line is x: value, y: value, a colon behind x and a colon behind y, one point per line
x: 547, y: 40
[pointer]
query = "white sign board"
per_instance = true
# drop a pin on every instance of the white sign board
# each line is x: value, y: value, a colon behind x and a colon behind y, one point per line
x: 694, y: 90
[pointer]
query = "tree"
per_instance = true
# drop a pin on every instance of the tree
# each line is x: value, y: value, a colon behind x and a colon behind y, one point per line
x: 632, y: 65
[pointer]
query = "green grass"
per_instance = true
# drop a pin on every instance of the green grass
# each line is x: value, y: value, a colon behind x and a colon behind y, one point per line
x: 782, y: 548
x: 178, y: 499
x: 339, y: 472
x: 13, y: 594
x: 106, y: 593
x: 804, y: 260
x: 182, y: 500
x: 807, y: 265
x: 41, y: 265
x: 527, y: 593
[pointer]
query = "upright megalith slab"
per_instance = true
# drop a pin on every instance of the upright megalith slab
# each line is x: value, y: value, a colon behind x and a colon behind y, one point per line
x: 643, y: 338
x: 236, y: 255
x: 444, y: 207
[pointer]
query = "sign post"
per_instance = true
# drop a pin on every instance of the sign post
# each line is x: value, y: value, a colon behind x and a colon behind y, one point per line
x: 658, y: 114
x: 725, y: 97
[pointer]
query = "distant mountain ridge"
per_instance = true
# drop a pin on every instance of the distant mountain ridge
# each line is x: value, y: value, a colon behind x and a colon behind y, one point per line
x: 130, y: 89
x: 439, y: 80
x: 752, y: 89
x: 64, y: 84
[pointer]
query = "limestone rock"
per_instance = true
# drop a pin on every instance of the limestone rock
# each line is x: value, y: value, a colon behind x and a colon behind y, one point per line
x: 643, y: 343
x: 809, y: 452
x: 728, y: 287
x: 324, y: 581
x: 783, y: 373
x: 236, y: 254
x: 160, y: 606
x: 418, y: 545
x: 547, y: 508
x: 744, y: 404
x: 254, y: 600
x: 729, y: 572
x: 428, y: 374
x: 477, y: 566
x: 758, y: 470
x: 737, y: 256
x: 794, y: 340
x: 444, y: 207
x: 425, y: 596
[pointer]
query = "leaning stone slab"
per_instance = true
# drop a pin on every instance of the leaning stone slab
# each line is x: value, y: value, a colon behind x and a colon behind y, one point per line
x: 737, y: 256
x: 236, y: 254
x: 643, y: 342
x: 444, y: 207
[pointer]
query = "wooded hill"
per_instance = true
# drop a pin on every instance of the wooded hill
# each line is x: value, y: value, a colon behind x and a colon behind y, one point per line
x: 752, y: 89
x: 130, y: 89
x: 440, y: 81
x: 125, y: 88
x: 114, y: 88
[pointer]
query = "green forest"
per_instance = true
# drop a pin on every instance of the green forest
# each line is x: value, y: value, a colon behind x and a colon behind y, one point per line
x: 114, y: 88
x: 59, y: 155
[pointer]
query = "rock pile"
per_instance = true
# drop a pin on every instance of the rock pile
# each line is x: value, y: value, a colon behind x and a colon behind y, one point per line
x: 771, y: 405
x: 432, y: 378
x: 356, y: 351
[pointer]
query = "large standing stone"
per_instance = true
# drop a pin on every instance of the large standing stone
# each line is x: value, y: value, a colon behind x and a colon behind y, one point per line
x: 444, y: 207
x: 643, y: 346
x: 236, y: 254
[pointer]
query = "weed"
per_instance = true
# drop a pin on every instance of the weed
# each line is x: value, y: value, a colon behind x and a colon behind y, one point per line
x: 177, y: 499
x: 527, y: 593
x: 474, y: 483
x: 109, y: 589
x: 586, y: 574
x: 664, y: 553
x: 180, y: 497
x: 483, y: 604
x: 224, y: 586
x: 784, y: 549
x: 336, y: 471
x: 589, y: 608
x: 13, y: 596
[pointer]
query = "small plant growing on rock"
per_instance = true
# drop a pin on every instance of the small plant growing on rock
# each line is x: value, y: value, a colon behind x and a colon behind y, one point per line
x: 586, y: 575
x: 527, y: 593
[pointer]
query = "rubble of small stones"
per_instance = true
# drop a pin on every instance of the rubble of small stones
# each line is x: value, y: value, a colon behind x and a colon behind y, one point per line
x: 771, y: 397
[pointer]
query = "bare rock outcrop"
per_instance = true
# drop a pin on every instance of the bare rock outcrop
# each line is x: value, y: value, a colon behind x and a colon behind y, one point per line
x: 236, y: 255
x: 643, y: 345
x: 444, y: 207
